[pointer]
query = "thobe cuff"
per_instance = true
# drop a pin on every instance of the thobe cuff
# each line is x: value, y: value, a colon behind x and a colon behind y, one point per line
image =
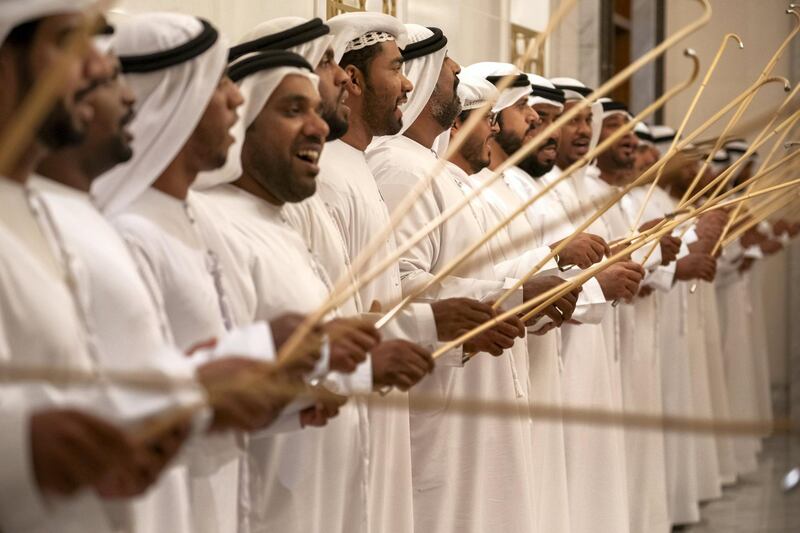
x: 520, y: 266
x: 653, y: 262
x: 662, y: 278
x: 323, y: 365
x: 424, y: 323
x: 359, y: 381
x: 591, y: 305
x: 253, y: 341
x: 20, y: 502
x: 754, y: 252
x: 452, y: 358
x: 684, y: 250
x: 286, y: 423
x: 690, y: 237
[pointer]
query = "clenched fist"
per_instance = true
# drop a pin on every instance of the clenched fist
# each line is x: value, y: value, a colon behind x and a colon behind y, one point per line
x: 583, y: 251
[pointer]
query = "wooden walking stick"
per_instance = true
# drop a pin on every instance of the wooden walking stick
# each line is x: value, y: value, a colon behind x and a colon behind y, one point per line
x: 729, y: 36
x: 343, y: 290
x: 455, y: 262
x: 736, y: 212
x: 770, y: 66
x: 22, y: 127
x: 624, y: 190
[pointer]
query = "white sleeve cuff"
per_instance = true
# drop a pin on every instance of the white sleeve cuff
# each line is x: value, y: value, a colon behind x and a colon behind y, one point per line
x: 360, y: 381
x: 254, y: 341
x: 424, y: 322
x: 591, y: 305
x: 661, y: 278
x: 754, y: 252
x: 690, y: 237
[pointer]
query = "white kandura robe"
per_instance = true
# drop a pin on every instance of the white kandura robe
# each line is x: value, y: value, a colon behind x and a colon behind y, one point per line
x: 733, y: 297
x: 720, y: 397
x: 630, y: 335
x: 545, y: 351
x: 642, y: 387
x: 184, y: 254
x: 677, y: 395
x: 708, y: 311
x: 303, y: 480
x: 120, y: 302
x: 350, y: 194
x: 38, y: 327
x: 760, y: 343
x: 311, y: 219
x: 596, y: 477
x: 470, y: 474
x: 594, y: 456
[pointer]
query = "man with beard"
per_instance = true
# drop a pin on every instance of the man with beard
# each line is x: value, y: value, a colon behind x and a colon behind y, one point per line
x: 595, y: 473
x: 550, y: 505
x: 396, y: 360
x: 483, y: 451
x: 273, y: 163
x: 52, y: 450
x: 636, y: 326
x: 122, y: 293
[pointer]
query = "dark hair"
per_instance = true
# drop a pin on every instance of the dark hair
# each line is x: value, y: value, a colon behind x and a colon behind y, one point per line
x: 361, y: 58
x: 464, y: 115
x: 22, y: 35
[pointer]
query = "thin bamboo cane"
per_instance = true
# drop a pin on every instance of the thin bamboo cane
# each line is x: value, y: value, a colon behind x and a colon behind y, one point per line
x: 547, y: 298
x: 344, y: 290
x: 724, y: 176
x: 624, y: 190
x: 685, y: 121
x: 461, y: 257
x: 20, y: 131
x: 464, y: 406
x: 778, y: 142
x: 768, y: 68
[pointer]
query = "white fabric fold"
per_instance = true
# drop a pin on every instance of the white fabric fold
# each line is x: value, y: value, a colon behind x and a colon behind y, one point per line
x: 170, y: 102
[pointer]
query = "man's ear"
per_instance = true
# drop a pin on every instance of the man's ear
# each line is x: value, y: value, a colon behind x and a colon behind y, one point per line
x: 357, y: 83
x: 455, y: 127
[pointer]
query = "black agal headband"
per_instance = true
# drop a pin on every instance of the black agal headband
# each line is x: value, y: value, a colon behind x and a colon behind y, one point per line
x: 583, y: 91
x: 144, y: 63
x: 268, y: 59
x: 306, y: 32
x: 519, y: 80
x: 548, y: 93
x: 614, y: 106
x: 425, y: 47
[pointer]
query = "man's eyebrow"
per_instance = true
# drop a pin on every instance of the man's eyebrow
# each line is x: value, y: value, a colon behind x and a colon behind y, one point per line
x: 293, y: 98
x: 399, y: 60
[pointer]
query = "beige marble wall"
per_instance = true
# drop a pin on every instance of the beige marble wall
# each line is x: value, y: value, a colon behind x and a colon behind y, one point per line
x: 762, y: 25
x: 477, y: 30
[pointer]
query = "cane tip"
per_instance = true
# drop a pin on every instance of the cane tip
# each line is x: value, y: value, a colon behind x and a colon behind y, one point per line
x: 690, y: 52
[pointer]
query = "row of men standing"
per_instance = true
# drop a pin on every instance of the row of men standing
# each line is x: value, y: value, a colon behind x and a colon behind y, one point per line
x: 186, y: 204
